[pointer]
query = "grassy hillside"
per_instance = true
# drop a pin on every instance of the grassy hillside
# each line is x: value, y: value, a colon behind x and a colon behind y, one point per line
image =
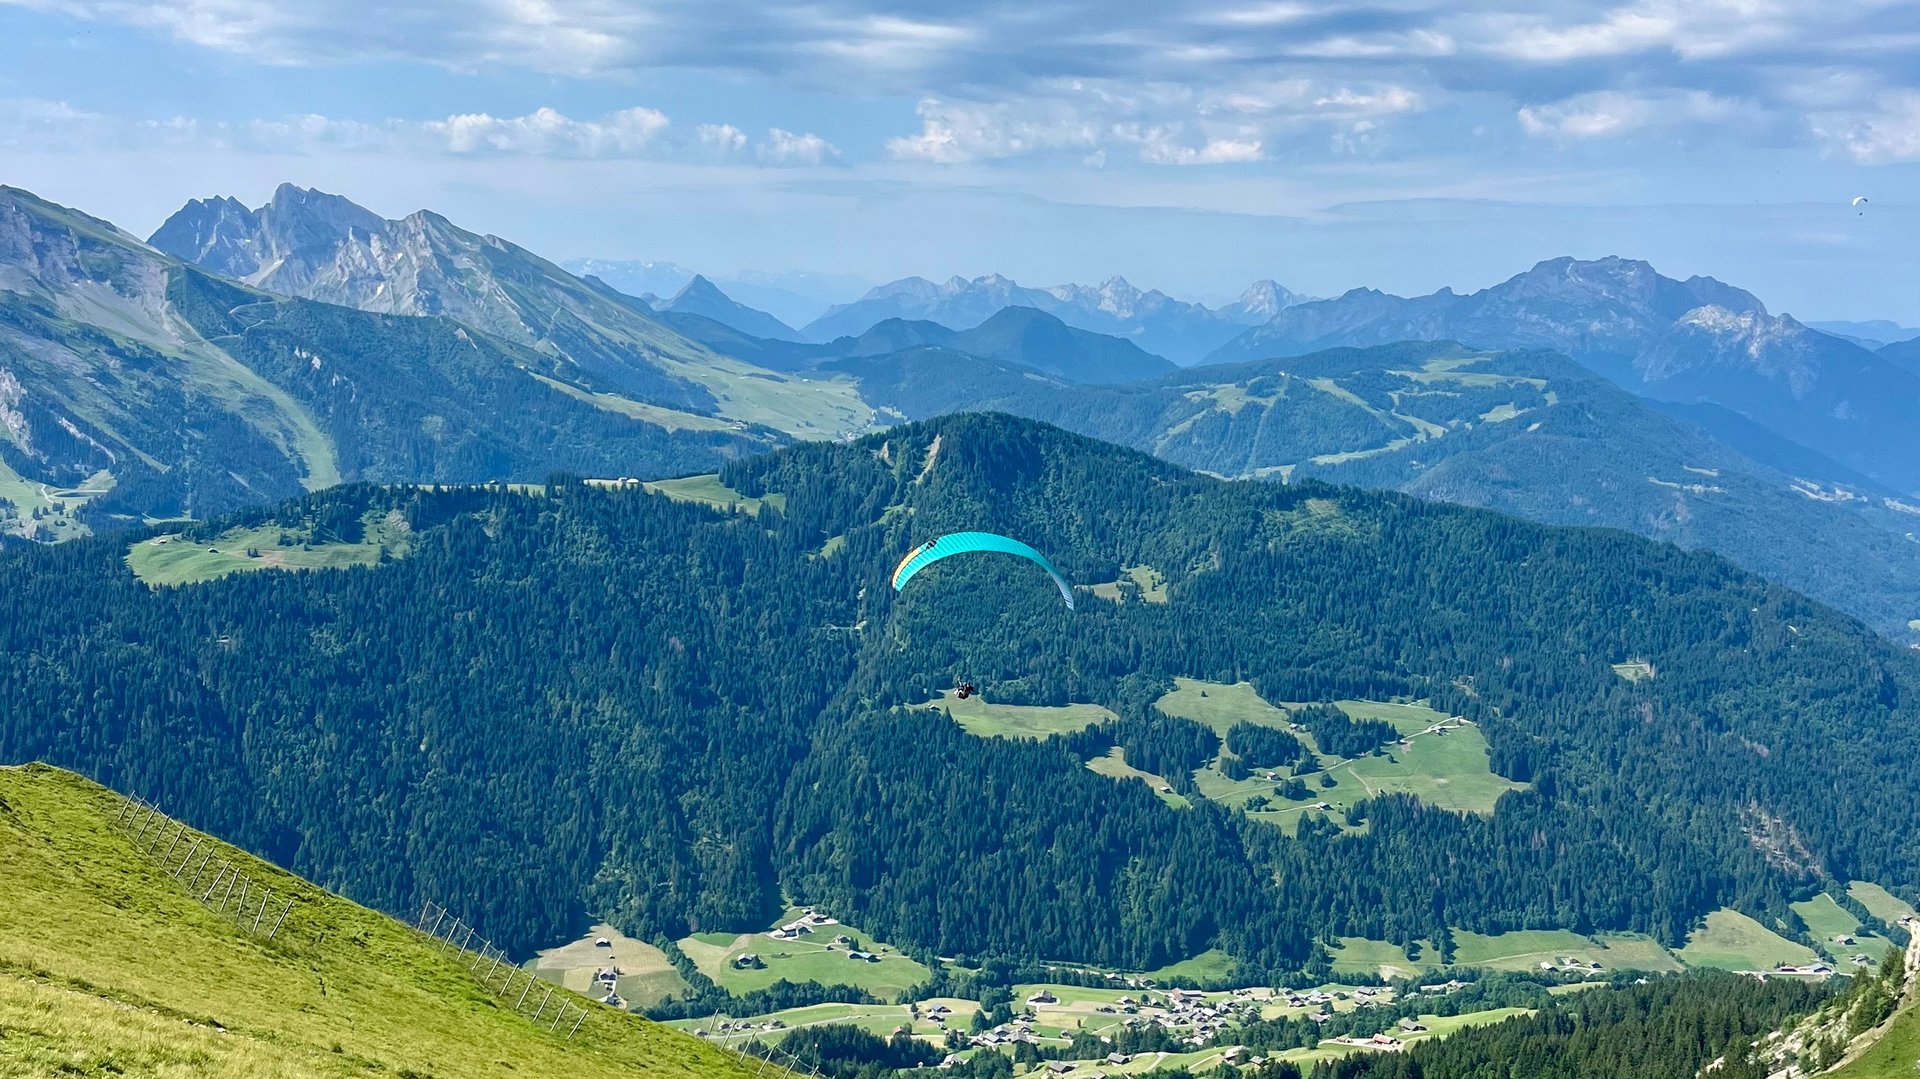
x: 108, y: 967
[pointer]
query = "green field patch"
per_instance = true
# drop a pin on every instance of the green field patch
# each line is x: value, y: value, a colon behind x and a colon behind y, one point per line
x: 833, y: 546
x: 1732, y: 941
x: 1443, y: 762
x: 1358, y: 955
x: 1838, y: 935
x: 177, y: 559
x: 1634, y: 670
x: 1115, y: 766
x: 707, y: 490
x: 1210, y: 965
x: 644, y: 974
x: 880, y: 1019
x: 21, y: 499
x: 985, y: 720
x: 1879, y: 902
x: 1449, y: 769
x: 1558, y: 949
x: 1148, y: 583
x: 1219, y: 706
x: 813, y: 956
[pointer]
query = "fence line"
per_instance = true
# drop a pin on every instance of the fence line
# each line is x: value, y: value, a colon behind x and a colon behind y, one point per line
x: 249, y: 909
x: 498, y: 974
x: 769, y: 1057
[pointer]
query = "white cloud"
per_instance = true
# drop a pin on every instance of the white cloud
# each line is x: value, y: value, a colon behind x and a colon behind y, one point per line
x: 546, y: 131
x: 1160, y: 123
x: 997, y: 69
x: 786, y: 148
x: 1886, y: 134
x: 634, y: 133
x: 1606, y: 114
x: 1691, y: 29
x: 724, y: 140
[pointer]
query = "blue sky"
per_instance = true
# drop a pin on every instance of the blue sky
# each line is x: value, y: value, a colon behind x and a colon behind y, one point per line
x: 1398, y: 144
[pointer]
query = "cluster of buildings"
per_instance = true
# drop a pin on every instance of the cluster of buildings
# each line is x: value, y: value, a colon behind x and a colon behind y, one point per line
x: 802, y: 926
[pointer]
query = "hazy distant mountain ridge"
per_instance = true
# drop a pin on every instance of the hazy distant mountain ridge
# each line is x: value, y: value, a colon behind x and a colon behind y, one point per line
x: 1181, y: 331
x: 1693, y: 340
x: 702, y: 297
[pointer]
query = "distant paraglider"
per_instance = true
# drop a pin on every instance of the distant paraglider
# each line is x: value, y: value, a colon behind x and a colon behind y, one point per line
x: 968, y: 543
x: 1859, y: 201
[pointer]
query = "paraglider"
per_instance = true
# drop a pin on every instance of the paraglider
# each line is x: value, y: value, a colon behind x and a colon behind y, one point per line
x: 970, y: 542
x: 1859, y: 201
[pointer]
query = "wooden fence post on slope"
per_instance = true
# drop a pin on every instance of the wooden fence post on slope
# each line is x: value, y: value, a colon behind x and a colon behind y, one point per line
x: 283, y: 918
x: 576, y: 1024
x: 205, y: 857
x: 543, y: 1004
x: 145, y: 823
x: 178, y: 835
x: 524, y: 991
x: 264, y: 896
x: 185, y: 860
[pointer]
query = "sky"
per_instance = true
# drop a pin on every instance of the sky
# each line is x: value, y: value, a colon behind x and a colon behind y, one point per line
x: 1194, y: 147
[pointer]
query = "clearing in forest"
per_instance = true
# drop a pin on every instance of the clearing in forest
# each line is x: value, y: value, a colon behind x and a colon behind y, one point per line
x: 1146, y: 582
x: 984, y: 720
x: 1114, y: 765
x: 812, y: 956
x: 1443, y: 760
x: 179, y: 559
x: 707, y: 490
x: 646, y: 976
x: 1732, y: 941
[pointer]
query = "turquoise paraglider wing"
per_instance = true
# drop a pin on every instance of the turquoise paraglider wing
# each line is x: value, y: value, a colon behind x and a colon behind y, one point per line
x: 955, y: 543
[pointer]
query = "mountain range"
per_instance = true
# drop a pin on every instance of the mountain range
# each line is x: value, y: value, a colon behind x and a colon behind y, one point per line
x: 134, y: 385
x: 473, y: 330
x: 793, y: 297
x: 1692, y: 341
x: 1182, y: 332
x: 322, y: 247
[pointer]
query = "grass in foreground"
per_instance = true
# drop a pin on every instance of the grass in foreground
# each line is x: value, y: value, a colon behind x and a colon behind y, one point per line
x: 109, y: 968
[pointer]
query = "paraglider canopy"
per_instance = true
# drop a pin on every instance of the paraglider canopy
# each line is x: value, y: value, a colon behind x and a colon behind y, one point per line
x: 1858, y: 199
x: 955, y: 543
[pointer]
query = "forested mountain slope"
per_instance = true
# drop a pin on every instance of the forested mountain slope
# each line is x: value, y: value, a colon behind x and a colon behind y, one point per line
x: 1526, y: 433
x: 133, y: 385
x: 679, y: 717
x: 109, y: 966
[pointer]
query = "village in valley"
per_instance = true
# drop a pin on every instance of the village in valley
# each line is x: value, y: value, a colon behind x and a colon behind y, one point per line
x: 1065, y: 1019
